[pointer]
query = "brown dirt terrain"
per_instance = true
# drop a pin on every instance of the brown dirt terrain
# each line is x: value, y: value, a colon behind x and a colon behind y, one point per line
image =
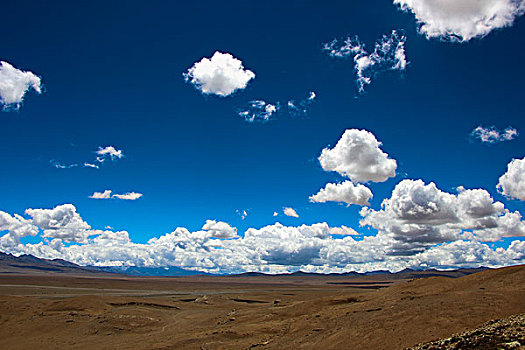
x: 508, y: 333
x: 249, y: 312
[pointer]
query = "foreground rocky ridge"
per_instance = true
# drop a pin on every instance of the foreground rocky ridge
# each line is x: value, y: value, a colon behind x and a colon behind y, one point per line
x: 508, y: 333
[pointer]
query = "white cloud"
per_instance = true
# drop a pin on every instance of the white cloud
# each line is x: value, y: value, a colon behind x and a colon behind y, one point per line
x: 301, y: 107
x: 107, y: 195
x: 358, y: 155
x: 290, y: 212
x: 493, y: 135
x: 258, y: 111
x: 419, y: 215
x: 512, y: 183
x: 463, y: 20
x: 61, y: 222
x: 103, y: 154
x: 222, y: 74
x: 101, y: 195
x: 389, y: 54
x: 275, y: 213
x: 271, y: 249
x: 242, y: 213
x: 109, y: 151
x: 345, y: 192
x: 343, y: 231
x: 14, y: 84
x: 16, y: 227
x: 60, y: 165
x: 108, y: 237
x: 90, y: 165
x: 130, y: 196
x: 220, y: 229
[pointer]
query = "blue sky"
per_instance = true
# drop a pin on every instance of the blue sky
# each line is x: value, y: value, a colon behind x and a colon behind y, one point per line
x: 112, y: 75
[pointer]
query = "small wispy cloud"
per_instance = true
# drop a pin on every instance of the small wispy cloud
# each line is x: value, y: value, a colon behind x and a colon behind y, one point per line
x: 109, y: 151
x: 301, y: 108
x: 242, y: 213
x: 388, y: 55
x: 258, y: 111
x: 14, y: 84
x: 290, y: 212
x: 493, y: 135
x: 60, y: 165
x: 103, y: 153
x: 90, y: 165
x: 130, y: 196
x: 221, y: 75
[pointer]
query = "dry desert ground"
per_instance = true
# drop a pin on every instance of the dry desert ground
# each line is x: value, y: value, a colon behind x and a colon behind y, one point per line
x: 57, y: 311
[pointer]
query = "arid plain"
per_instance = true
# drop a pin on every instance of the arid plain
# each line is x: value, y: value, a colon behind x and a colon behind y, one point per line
x: 104, y: 311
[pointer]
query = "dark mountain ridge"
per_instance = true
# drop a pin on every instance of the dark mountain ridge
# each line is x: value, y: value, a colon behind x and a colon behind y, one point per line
x: 29, y: 264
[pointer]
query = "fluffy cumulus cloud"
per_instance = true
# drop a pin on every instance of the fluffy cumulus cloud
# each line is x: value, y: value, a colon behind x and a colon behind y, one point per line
x: 358, y: 156
x: 388, y: 55
x: 62, y: 222
x: 16, y: 227
x: 15, y: 83
x: 512, y: 183
x: 493, y: 135
x: 277, y: 248
x: 258, y: 111
x: 345, y: 192
x: 463, y: 20
x: 221, y: 75
x: 419, y: 215
x: 219, y: 229
x: 290, y: 212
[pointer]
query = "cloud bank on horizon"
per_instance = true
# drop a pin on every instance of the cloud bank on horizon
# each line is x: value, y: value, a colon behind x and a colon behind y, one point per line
x: 419, y: 225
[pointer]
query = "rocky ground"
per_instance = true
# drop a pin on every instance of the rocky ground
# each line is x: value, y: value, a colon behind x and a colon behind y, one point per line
x: 508, y: 333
